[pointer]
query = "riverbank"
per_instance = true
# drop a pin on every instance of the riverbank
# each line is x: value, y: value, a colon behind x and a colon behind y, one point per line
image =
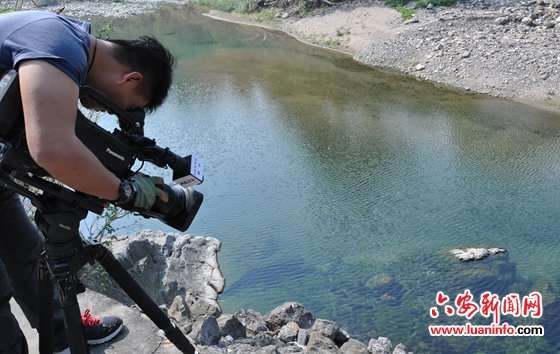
x: 504, y: 51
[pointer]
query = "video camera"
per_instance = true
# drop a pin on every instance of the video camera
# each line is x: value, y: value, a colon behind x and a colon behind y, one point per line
x: 117, y: 151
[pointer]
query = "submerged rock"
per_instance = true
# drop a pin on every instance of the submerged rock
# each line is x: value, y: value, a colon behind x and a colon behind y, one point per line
x: 475, y: 254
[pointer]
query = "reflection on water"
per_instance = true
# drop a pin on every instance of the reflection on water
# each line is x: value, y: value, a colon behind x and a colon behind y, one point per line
x: 343, y: 188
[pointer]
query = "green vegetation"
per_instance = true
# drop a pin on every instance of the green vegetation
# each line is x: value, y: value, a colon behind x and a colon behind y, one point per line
x: 406, y: 13
x: 266, y: 15
x: 104, y: 32
x: 228, y: 5
x: 103, y: 225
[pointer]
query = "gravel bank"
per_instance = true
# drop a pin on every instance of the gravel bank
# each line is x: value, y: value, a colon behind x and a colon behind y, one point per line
x: 501, y: 48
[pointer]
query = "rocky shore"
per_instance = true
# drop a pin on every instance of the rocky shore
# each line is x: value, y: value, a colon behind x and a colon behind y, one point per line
x: 501, y: 48
x: 182, y: 274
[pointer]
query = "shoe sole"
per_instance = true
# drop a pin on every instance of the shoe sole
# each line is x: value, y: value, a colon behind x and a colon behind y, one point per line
x: 105, y: 339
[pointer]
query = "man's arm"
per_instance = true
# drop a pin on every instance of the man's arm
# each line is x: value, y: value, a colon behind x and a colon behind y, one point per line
x: 50, y: 100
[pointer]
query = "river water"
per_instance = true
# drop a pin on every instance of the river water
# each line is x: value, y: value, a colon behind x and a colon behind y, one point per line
x: 344, y: 188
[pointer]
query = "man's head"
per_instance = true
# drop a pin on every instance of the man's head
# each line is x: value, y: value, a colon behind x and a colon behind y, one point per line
x: 133, y: 73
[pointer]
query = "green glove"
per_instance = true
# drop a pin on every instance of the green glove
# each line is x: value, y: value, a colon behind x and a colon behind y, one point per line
x: 147, y: 190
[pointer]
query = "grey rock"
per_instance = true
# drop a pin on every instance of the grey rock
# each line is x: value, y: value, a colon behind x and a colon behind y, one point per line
x: 303, y: 337
x: 381, y: 345
x: 201, y: 349
x: 270, y: 349
x: 206, y: 331
x: 528, y: 21
x: 240, y: 348
x: 231, y: 326
x: 504, y: 20
x: 252, y: 320
x: 178, y: 310
x: 465, y: 54
x: 290, y: 348
x: 265, y: 339
x: 289, y: 332
x: 289, y: 311
x: 181, y: 265
x: 400, y: 349
x: 430, y: 6
x: 326, y: 328
x: 353, y: 346
x: 225, y: 341
x: 420, y: 67
x: 320, y: 344
x: 412, y: 20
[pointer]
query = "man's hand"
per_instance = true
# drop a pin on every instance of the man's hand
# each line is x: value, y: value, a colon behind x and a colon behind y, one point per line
x: 49, y: 99
x: 147, y: 189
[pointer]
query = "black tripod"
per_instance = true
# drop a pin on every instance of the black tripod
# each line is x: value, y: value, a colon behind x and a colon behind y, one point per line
x: 58, y: 216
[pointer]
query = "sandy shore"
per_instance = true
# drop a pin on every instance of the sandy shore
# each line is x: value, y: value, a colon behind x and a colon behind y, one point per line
x: 484, y: 50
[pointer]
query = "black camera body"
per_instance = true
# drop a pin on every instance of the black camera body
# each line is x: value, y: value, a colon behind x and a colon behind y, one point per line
x: 117, y: 151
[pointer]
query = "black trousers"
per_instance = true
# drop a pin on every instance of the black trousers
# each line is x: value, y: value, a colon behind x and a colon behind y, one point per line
x: 20, y: 247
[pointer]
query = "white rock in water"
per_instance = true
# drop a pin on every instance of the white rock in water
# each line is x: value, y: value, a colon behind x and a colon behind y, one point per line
x: 475, y: 254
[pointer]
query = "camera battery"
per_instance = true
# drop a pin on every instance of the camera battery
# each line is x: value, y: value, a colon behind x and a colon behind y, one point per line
x: 194, y: 172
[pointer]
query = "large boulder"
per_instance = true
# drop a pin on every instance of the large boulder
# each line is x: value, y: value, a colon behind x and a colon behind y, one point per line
x: 252, y: 320
x: 287, y: 312
x: 166, y: 266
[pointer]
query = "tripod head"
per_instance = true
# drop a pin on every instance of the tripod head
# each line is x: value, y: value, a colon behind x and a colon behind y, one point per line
x: 117, y: 151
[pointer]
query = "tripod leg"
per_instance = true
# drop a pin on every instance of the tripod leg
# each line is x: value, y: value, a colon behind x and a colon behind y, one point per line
x: 46, y: 328
x: 139, y: 296
x: 72, y: 318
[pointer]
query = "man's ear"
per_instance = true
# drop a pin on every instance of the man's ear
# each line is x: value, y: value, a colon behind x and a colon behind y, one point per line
x: 130, y: 77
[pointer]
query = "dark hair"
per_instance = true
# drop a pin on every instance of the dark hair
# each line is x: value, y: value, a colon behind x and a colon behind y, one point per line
x: 150, y: 58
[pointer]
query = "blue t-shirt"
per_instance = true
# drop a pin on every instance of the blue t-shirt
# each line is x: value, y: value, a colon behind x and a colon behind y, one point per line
x: 59, y: 40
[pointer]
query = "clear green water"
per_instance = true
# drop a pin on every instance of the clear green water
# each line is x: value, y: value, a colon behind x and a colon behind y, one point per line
x: 322, y: 174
